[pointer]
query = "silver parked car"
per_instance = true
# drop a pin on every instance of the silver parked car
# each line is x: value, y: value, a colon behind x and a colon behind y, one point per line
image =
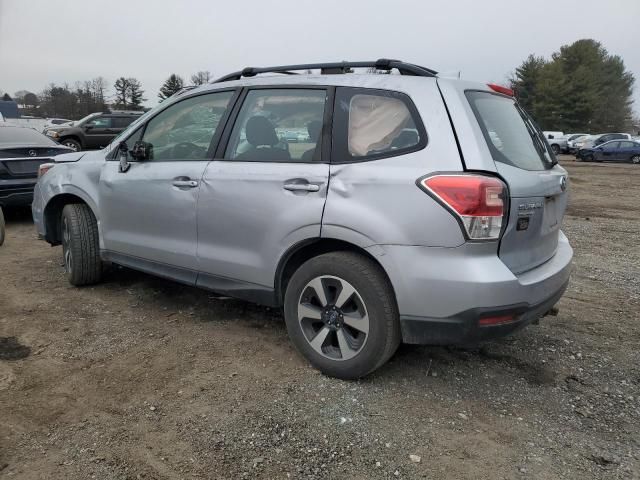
x: 417, y: 209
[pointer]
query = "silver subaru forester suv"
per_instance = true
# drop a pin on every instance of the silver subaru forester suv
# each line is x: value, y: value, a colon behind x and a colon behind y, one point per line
x: 372, y: 208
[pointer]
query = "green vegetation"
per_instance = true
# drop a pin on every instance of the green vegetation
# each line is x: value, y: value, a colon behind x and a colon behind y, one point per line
x: 582, y: 88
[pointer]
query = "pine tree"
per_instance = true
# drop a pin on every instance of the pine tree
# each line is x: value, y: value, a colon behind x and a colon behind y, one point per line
x: 171, y: 85
x: 582, y: 88
x: 525, y: 79
x: 135, y: 93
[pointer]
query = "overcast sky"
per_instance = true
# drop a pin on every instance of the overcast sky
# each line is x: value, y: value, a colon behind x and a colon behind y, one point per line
x: 43, y: 41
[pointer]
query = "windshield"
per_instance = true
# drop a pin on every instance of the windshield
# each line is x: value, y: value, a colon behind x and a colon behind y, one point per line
x: 512, y: 136
x: 20, y: 135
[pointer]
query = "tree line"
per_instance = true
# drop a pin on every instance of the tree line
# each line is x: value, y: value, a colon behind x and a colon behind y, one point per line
x: 85, y: 97
x: 582, y: 88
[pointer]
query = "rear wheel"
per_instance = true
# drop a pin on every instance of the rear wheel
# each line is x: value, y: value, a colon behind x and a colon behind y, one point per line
x: 635, y: 159
x: 341, y: 314
x: 72, y: 144
x: 80, y: 245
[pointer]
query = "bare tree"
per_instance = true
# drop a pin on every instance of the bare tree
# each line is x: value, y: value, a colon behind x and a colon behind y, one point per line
x: 200, y: 78
x: 121, y: 86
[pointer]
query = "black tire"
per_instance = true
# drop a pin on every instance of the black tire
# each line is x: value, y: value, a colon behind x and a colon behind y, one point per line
x: 1, y: 227
x: 635, y: 160
x: 587, y: 158
x: 372, y: 287
x: 71, y: 143
x: 556, y: 149
x: 80, y: 245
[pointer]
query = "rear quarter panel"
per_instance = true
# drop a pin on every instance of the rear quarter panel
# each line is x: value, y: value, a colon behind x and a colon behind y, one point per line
x: 378, y: 201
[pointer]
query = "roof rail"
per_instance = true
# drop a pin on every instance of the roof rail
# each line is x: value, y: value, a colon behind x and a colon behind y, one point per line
x: 334, y: 68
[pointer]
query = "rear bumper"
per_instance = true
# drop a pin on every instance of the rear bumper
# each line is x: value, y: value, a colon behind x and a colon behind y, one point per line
x: 13, y: 193
x: 442, y: 293
x: 464, y: 329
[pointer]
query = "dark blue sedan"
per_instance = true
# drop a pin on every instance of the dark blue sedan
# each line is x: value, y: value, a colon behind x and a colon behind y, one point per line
x: 614, y: 151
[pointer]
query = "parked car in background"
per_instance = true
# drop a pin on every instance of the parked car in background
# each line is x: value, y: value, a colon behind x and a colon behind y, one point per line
x: 613, y: 151
x: 557, y: 141
x: 332, y: 230
x: 572, y: 138
x: 55, y: 122
x: 595, y: 140
x: 96, y: 130
x: 22, y: 151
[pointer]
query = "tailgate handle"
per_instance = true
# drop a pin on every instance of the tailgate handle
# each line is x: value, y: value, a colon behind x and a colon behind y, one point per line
x: 301, y: 187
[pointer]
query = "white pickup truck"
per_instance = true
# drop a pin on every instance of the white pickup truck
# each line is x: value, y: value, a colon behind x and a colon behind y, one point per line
x: 557, y: 141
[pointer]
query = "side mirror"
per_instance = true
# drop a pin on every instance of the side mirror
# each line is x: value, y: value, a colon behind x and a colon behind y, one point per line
x: 88, y: 126
x: 142, y: 151
x: 123, y: 154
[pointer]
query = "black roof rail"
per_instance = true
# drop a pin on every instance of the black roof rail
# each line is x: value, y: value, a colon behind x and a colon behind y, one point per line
x: 334, y: 68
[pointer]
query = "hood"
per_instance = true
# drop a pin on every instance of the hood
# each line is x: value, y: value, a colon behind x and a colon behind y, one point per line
x: 69, y: 157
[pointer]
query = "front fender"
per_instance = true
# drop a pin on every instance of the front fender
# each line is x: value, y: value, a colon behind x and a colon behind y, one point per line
x: 61, y: 185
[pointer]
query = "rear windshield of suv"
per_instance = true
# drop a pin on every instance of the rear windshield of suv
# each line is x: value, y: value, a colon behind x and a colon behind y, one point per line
x: 511, y: 135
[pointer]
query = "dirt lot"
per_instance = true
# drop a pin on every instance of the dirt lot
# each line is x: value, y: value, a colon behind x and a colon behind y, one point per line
x: 143, y: 378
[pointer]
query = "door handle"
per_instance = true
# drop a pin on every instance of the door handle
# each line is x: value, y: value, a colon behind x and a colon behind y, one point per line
x: 185, y: 183
x: 301, y: 187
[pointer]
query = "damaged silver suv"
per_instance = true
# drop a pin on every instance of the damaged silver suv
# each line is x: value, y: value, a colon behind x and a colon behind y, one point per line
x: 374, y: 209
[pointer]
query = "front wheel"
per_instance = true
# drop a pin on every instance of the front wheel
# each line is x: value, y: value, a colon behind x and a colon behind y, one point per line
x: 72, y: 144
x: 80, y: 245
x: 556, y: 149
x: 635, y: 159
x: 341, y: 314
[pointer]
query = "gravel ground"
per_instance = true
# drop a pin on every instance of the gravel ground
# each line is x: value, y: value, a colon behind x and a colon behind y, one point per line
x: 143, y: 378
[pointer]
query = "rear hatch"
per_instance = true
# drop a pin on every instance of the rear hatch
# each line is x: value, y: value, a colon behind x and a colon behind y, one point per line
x: 537, y: 185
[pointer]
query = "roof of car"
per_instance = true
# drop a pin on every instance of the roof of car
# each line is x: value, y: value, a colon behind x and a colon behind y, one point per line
x: 399, y: 83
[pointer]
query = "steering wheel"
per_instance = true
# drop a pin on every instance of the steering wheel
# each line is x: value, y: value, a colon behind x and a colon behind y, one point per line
x: 187, y: 150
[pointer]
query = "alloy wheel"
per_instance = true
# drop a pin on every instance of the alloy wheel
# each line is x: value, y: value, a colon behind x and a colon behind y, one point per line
x: 71, y: 145
x: 635, y: 159
x: 333, y: 317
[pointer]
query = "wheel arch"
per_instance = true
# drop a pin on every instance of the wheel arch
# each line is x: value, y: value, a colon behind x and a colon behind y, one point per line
x: 304, y: 250
x: 53, y: 211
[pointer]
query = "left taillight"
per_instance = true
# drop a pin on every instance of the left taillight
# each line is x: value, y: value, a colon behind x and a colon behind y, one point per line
x: 478, y: 201
x: 44, y: 168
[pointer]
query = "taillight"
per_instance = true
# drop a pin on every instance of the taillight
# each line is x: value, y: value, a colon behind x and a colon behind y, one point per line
x: 476, y: 200
x: 44, y: 168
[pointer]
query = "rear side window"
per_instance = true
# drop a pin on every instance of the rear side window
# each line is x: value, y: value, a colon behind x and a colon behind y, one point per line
x: 371, y: 124
x: 279, y: 125
x: 510, y: 133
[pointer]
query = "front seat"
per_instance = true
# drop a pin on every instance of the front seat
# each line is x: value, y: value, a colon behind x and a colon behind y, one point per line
x: 263, y: 139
